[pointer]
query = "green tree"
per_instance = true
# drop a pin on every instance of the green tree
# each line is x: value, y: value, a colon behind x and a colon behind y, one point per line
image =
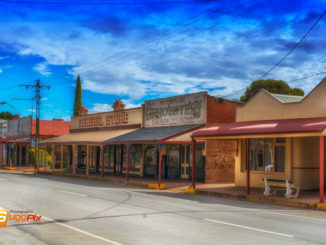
x: 272, y: 86
x: 6, y: 115
x: 78, y: 97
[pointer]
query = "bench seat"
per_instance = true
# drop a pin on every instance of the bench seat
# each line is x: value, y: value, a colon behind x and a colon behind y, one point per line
x: 274, y: 185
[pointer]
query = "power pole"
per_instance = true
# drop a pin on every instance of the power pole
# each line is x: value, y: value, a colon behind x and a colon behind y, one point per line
x: 37, y: 97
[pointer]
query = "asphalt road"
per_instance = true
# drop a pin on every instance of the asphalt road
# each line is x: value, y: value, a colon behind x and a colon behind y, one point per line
x: 78, y: 211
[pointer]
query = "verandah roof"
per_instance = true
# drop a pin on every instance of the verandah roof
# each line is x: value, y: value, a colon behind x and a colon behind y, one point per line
x: 312, y: 126
x: 153, y: 134
x: 94, y: 137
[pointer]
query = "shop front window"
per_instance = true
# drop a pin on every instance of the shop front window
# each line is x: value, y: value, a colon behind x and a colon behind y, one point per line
x: 267, y: 154
x: 135, y: 154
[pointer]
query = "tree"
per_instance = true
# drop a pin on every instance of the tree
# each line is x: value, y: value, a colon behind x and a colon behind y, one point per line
x: 6, y: 115
x: 78, y: 97
x: 272, y: 86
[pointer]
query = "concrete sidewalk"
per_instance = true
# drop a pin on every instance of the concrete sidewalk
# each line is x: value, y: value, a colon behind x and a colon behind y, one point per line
x: 307, y: 199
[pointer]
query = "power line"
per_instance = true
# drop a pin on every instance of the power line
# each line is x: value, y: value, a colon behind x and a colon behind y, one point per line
x: 314, y: 75
x: 108, y: 3
x: 37, y: 98
x: 287, y: 54
x: 294, y: 47
x: 200, y: 19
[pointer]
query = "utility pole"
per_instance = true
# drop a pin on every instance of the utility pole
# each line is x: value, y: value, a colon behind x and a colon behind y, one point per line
x: 37, y: 97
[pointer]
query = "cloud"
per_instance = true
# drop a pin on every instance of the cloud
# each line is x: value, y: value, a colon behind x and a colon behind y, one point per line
x: 98, y: 107
x: 1, y: 70
x: 42, y: 68
x: 152, y: 51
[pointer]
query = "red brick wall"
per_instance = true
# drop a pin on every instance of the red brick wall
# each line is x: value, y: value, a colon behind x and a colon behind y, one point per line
x: 220, y: 161
x: 220, y: 111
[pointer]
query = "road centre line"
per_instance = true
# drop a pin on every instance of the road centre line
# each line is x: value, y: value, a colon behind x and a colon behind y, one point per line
x: 295, y: 216
x: 73, y: 193
x: 249, y: 228
x: 275, y: 212
x: 82, y: 231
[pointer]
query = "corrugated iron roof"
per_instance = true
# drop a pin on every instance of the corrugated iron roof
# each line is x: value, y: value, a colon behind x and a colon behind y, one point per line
x: 303, y: 125
x: 51, y: 128
x: 153, y: 133
x: 284, y: 98
x: 94, y: 137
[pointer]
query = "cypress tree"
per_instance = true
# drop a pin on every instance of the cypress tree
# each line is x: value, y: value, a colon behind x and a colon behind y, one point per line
x: 78, y: 97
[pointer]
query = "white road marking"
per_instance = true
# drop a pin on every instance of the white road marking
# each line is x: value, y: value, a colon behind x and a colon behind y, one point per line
x: 291, y: 215
x: 274, y: 212
x: 249, y: 228
x: 73, y: 193
x: 83, y: 232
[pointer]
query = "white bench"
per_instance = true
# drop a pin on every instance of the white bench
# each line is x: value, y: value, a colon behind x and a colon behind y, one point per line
x: 274, y: 185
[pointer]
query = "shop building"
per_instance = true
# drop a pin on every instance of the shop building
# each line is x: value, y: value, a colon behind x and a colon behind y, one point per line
x: 85, y: 142
x: 21, y: 136
x: 163, y: 148
x: 277, y: 137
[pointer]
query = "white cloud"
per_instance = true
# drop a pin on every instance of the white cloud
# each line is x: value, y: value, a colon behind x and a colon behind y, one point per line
x: 66, y: 118
x: 98, y: 107
x: 1, y: 70
x: 42, y: 68
x: 175, y: 63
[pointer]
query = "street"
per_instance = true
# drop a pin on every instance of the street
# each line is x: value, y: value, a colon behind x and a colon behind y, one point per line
x: 76, y: 211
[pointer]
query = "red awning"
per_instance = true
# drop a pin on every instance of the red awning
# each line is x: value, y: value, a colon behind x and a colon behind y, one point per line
x: 288, y: 126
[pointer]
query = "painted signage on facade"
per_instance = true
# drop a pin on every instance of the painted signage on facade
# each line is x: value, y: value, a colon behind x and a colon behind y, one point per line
x: 108, y: 119
x: 178, y: 110
x: 20, y: 127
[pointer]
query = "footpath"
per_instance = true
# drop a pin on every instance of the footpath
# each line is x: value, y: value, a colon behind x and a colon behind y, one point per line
x: 307, y: 199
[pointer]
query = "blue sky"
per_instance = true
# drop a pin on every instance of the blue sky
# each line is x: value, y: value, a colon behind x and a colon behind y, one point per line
x: 136, y: 52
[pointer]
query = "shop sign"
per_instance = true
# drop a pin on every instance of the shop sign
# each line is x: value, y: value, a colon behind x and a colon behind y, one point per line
x: 109, y: 119
x: 178, y: 110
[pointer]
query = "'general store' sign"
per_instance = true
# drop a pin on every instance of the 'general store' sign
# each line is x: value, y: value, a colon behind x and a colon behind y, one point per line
x: 108, y: 119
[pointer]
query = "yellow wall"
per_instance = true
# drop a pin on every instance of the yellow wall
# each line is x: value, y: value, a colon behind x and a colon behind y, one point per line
x: 305, y: 165
x: 257, y: 176
x: 302, y: 165
x: 264, y: 107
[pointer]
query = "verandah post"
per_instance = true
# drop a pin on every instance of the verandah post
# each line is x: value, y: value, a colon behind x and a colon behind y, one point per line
x: 87, y: 160
x: 193, y: 163
x: 74, y: 153
x: 61, y: 157
x: 53, y: 157
x: 159, y: 165
x: 321, y: 169
x: 102, y: 161
x: 127, y: 167
x: 248, y: 165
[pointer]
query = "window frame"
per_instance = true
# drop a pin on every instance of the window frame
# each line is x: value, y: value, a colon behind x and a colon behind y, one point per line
x: 275, y: 144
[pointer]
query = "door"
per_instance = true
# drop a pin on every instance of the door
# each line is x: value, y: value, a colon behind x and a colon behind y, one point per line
x: 173, y: 162
x: 150, y: 161
x: 118, y: 160
x: 200, y: 164
x: 98, y: 159
x: 23, y: 158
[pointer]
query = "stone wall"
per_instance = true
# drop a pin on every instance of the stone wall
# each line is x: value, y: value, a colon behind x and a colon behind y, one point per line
x: 220, y: 161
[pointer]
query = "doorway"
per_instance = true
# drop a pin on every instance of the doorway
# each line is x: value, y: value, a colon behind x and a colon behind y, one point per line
x: 150, y: 161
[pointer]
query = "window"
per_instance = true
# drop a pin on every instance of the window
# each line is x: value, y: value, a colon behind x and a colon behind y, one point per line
x: 135, y: 154
x: 267, y: 154
x: 150, y: 154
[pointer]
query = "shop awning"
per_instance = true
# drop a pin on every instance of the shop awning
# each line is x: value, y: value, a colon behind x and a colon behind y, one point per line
x: 154, y: 134
x: 289, y: 127
x: 83, y: 138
